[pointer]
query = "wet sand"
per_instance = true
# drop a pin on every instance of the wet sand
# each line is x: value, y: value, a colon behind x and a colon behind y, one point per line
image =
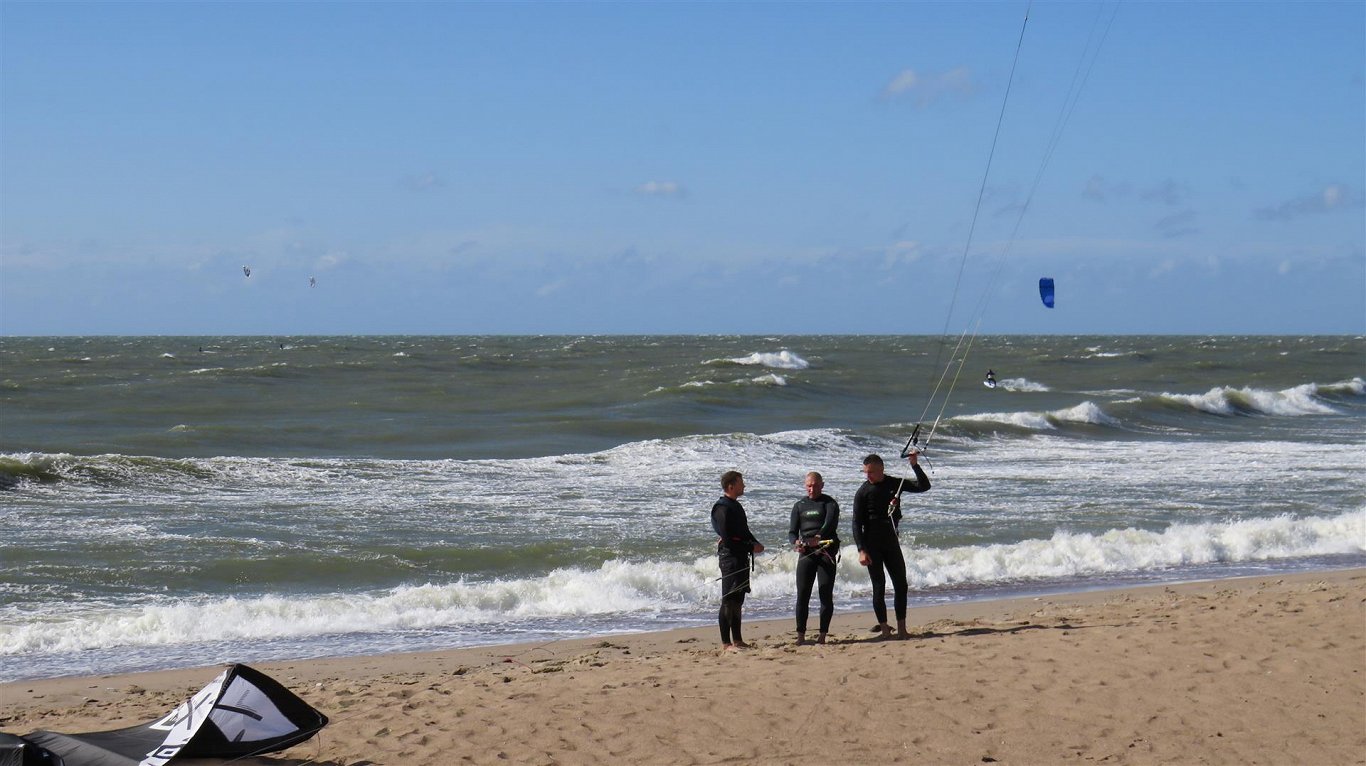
x: 1253, y: 670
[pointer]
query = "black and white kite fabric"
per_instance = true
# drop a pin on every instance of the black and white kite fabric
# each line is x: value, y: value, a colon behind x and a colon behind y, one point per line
x: 17, y: 751
x: 241, y: 713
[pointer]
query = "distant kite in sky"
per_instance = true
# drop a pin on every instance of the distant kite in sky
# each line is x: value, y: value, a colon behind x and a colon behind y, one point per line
x: 312, y: 282
x: 1046, y: 291
x: 246, y: 270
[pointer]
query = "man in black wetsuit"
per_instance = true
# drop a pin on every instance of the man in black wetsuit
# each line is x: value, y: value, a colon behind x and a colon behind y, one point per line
x: 877, y: 514
x: 814, y: 532
x: 734, y: 552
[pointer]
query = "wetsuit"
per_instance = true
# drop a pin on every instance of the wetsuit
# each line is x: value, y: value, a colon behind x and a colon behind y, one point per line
x: 877, y: 513
x: 818, y: 517
x: 735, y: 553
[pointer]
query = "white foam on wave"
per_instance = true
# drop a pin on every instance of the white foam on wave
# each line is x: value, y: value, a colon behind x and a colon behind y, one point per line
x: 643, y: 588
x: 1022, y: 384
x: 778, y: 360
x: 1225, y: 400
x: 1034, y: 421
x: 771, y: 379
x: 1355, y: 386
x: 1124, y: 550
x: 617, y: 587
x: 1086, y: 413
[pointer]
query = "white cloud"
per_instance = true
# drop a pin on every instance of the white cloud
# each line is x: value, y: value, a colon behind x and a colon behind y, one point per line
x: 925, y: 88
x: 550, y: 288
x: 423, y: 182
x: 660, y: 189
x: 904, y: 80
x: 330, y: 260
x: 1330, y: 198
x: 1167, y: 266
x: 905, y: 251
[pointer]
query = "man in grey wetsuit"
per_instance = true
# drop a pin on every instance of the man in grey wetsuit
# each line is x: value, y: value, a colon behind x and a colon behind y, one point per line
x: 734, y: 552
x: 813, y: 531
x: 877, y: 514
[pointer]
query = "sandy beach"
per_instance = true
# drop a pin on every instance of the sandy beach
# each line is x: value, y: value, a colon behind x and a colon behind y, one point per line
x: 1253, y: 670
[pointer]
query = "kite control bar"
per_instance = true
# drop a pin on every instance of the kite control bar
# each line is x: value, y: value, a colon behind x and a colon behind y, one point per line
x: 912, y: 444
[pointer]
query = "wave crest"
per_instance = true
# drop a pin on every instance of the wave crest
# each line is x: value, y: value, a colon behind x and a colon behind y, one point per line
x: 778, y: 360
x: 1068, y: 554
x: 680, y: 587
x: 1022, y: 384
x: 1088, y: 413
x: 1227, y: 401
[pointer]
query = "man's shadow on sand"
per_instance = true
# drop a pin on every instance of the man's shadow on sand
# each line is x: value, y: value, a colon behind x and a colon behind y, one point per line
x: 967, y: 631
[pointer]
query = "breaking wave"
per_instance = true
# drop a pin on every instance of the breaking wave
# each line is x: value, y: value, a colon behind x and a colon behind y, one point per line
x: 1137, y: 412
x: 1300, y: 400
x: 778, y: 360
x: 1085, y: 413
x: 649, y: 589
x: 1022, y: 384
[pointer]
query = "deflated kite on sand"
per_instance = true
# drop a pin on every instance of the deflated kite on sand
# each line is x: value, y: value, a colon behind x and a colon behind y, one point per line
x: 241, y: 713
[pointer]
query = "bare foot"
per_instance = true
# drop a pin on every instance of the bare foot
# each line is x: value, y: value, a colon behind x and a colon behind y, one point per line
x: 741, y: 645
x: 820, y: 639
x: 801, y: 640
x: 902, y: 635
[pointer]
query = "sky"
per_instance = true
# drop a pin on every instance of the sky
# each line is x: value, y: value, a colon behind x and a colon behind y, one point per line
x: 718, y: 168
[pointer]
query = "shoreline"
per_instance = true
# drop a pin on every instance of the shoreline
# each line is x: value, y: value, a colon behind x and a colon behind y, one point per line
x: 756, y: 612
x: 1263, y: 669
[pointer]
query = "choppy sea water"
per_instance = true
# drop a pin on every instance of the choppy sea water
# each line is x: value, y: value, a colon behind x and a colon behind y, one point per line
x: 180, y: 501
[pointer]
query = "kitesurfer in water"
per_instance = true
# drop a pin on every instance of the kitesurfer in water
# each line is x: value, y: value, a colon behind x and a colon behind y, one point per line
x: 877, y: 515
x: 991, y: 378
x: 735, y: 552
x: 814, y: 533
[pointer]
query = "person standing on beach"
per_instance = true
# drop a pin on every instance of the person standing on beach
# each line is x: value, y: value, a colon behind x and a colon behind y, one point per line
x: 877, y: 515
x: 735, y: 552
x: 814, y: 533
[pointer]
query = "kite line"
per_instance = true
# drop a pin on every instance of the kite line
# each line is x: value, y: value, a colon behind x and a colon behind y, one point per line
x: 952, y: 370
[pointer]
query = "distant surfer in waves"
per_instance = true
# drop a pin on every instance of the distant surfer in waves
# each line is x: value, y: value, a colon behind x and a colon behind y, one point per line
x: 735, y: 553
x: 877, y: 516
x: 990, y: 381
x: 814, y: 533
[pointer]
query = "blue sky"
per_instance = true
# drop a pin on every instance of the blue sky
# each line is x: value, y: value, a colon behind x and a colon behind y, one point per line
x: 452, y: 168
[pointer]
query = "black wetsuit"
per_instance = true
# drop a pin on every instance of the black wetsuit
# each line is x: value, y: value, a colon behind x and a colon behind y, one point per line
x: 819, y: 517
x: 877, y: 512
x: 735, y: 554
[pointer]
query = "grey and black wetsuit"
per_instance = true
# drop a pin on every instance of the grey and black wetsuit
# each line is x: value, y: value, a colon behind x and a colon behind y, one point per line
x: 735, y: 554
x: 811, y: 518
x: 877, y: 513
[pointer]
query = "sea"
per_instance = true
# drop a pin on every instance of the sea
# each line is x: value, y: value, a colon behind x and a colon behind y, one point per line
x: 183, y: 501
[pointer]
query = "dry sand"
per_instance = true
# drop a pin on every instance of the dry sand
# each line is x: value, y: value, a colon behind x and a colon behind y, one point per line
x: 1265, y: 671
